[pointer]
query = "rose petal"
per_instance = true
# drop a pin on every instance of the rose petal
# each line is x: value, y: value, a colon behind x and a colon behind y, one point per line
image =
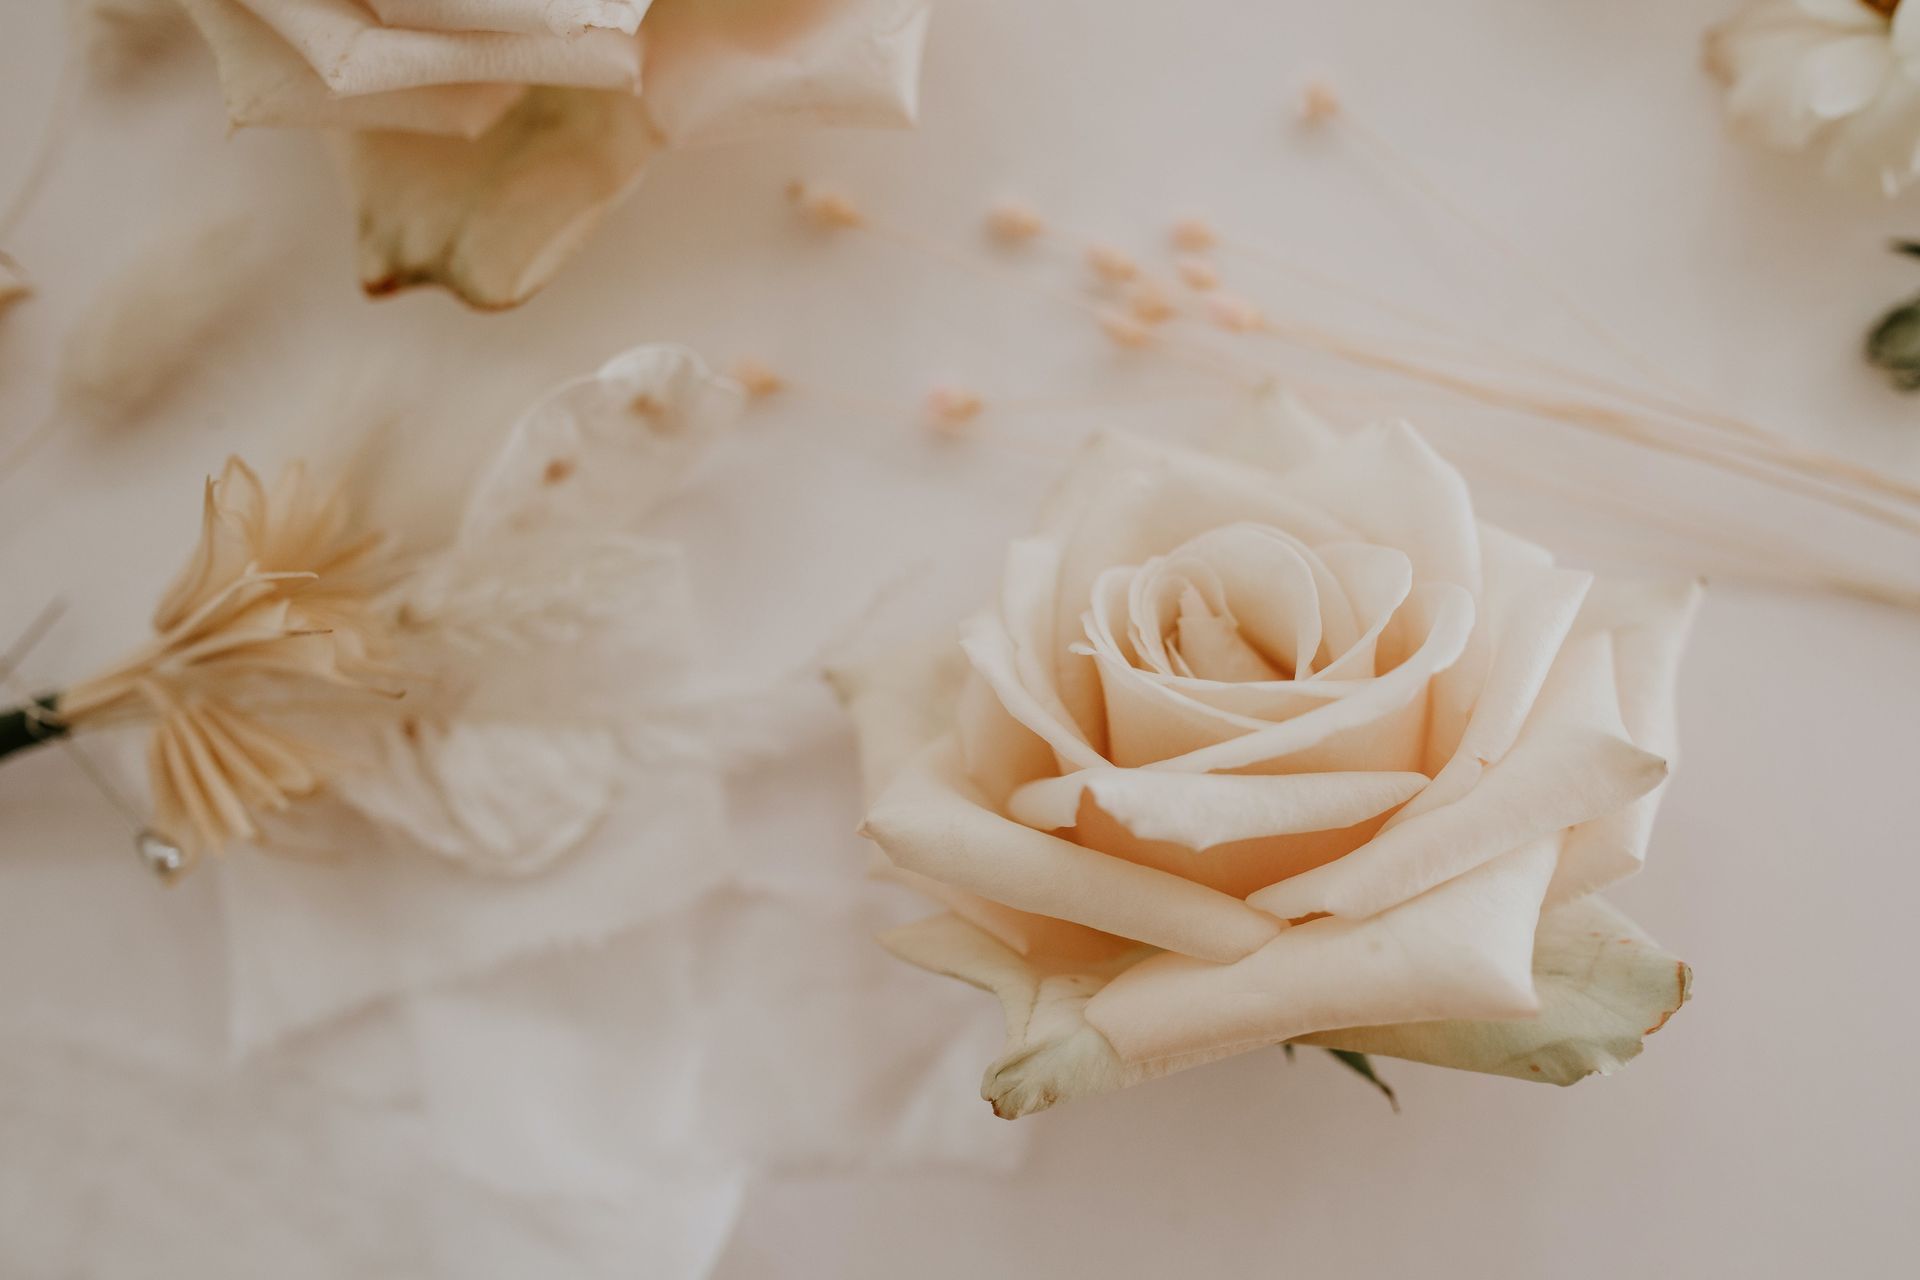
x: 1521, y: 632
x: 353, y: 53
x: 1000, y: 752
x: 493, y: 218
x: 527, y: 17
x: 718, y: 73
x: 1052, y: 1055
x: 1371, y: 726
x: 1647, y: 624
x: 1389, y: 485
x: 266, y: 83
x: 1127, y: 500
x: 994, y: 655
x: 1207, y: 809
x: 932, y: 819
x: 1556, y: 777
x: 1604, y: 986
x: 1463, y: 950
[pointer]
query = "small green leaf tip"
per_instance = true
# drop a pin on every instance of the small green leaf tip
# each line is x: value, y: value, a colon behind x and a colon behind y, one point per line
x: 1361, y: 1065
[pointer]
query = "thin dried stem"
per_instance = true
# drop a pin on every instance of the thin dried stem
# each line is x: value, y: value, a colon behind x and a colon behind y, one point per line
x: 1600, y: 419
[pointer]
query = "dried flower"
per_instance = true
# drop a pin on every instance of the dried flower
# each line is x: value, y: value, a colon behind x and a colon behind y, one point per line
x: 951, y: 408
x: 472, y: 698
x: 273, y: 619
x: 1197, y: 274
x: 1013, y: 223
x: 1319, y: 103
x: 824, y: 208
x: 757, y: 380
x: 1148, y: 303
x: 1194, y: 235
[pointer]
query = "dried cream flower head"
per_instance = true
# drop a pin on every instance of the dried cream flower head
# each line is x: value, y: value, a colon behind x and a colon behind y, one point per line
x: 483, y: 698
x: 272, y: 620
x: 1840, y: 75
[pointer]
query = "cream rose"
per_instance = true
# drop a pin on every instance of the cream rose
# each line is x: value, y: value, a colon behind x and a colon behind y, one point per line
x: 1841, y: 75
x: 484, y: 138
x: 1278, y: 747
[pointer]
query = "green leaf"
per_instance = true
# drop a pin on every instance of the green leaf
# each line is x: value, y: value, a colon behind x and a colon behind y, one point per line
x: 1360, y: 1064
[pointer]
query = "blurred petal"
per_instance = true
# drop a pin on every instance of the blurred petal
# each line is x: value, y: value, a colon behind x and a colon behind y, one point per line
x: 1463, y: 950
x: 353, y: 53
x: 494, y: 218
x: 1842, y: 76
x: 267, y: 83
x: 932, y: 819
x: 1603, y: 985
x: 528, y: 17
x: 722, y: 71
x: 505, y: 799
x: 601, y: 451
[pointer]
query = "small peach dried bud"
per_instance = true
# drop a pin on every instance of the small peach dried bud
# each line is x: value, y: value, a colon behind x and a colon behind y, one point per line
x: 950, y: 409
x: 1318, y: 103
x: 1148, y: 303
x: 1235, y: 315
x: 1115, y: 266
x: 1124, y: 329
x: 824, y: 208
x: 1011, y: 222
x: 756, y: 379
x: 1197, y: 274
x: 1194, y: 235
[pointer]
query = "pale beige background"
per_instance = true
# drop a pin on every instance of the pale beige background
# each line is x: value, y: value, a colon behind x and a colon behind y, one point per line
x: 1769, y: 1131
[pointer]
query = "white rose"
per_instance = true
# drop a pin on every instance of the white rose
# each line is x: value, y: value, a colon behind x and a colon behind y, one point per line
x: 1843, y: 75
x: 1289, y: 745
x: 484, y: 138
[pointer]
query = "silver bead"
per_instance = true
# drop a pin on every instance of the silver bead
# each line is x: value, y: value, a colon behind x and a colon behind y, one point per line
x: 162, y: 856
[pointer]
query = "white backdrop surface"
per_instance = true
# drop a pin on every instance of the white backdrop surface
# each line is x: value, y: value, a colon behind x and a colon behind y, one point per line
x: 1768, y: 1131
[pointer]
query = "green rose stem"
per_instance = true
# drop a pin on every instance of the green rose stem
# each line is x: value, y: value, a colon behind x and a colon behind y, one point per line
x: 28, y: 726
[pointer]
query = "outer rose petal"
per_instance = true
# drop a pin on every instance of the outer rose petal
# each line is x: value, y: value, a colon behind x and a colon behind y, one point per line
x: 1464, y: 950
x: 527, y: 17
x: 265, y: 82
x: 932, y: 819
x: 721, y: 71
x: 493, y: 218
x: 1603, y: 985
x: 1389, y: 484
x: 353, y: 53
x: 1555, y: 779
x: 1052, y: 1055
x: 1648, y: 624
